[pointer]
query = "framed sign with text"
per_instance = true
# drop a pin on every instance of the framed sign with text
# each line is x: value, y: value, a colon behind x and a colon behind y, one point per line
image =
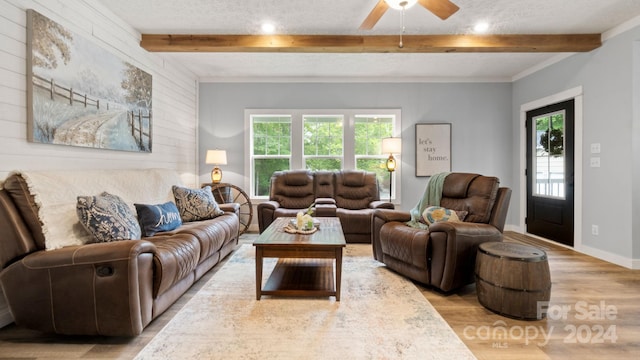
x: 433, y: 149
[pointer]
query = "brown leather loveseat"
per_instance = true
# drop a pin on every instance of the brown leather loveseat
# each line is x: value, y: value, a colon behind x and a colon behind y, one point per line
x: 110, y: 288
x: 444, y: 255
x: 350, y: 195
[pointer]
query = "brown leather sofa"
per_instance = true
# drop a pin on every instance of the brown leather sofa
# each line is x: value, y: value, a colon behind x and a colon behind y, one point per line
x: 350, y: 195
x: 444, y: 255
x: 113, y: 288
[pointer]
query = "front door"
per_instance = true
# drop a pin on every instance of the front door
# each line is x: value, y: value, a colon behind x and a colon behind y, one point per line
x: 550, y: 172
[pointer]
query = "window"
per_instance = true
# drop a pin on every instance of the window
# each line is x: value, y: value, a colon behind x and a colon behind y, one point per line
x: 271, y: 148
x: 318, y: 140
x: 323, y: 142
x: 369, y: 132
x: 550, y: 160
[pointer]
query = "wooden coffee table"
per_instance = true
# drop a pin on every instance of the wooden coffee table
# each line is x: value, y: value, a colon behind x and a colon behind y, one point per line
x: 306, y: 262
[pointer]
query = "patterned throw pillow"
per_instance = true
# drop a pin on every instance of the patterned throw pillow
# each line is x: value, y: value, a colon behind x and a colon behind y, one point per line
x: 157, y: 218
x: 434, y: 214
x: 107, y: 217
x: 196, y: 204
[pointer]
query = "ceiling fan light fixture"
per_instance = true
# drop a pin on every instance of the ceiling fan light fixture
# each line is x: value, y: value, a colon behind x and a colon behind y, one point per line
x: 400, y: 4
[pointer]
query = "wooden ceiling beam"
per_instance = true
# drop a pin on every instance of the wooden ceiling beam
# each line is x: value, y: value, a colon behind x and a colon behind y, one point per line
x: 371, y: 44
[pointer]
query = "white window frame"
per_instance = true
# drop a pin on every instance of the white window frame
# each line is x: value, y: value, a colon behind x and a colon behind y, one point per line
x: 297, y: 143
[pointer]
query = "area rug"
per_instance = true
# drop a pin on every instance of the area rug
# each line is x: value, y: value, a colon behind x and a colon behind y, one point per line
x: 380, y: 315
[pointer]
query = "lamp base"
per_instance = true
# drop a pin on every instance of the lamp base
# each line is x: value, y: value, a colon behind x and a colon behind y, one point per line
x: 216, y: 175
x: 391, y: 167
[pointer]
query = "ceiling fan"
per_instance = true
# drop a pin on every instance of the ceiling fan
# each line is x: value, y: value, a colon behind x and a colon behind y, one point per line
x: 441, y: 8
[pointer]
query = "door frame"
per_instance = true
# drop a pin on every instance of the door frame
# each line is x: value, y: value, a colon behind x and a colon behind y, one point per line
x: 576, y: 94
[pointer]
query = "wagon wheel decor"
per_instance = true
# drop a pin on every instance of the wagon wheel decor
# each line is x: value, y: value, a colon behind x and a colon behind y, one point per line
x: 229, y: 193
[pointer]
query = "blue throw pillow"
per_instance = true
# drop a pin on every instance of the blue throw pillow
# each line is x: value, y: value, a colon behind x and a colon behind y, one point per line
x: 107, y: 217
x: 157, y: 218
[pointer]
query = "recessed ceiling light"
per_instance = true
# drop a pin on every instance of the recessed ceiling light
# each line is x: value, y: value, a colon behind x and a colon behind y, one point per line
x: 268, y: 28
x: 481, y: 27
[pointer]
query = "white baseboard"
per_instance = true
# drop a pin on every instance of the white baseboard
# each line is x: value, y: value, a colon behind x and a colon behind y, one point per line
x: 629, y: 263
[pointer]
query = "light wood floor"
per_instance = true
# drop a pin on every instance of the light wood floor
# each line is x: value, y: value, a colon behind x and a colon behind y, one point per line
x: 586, y: 290
x: 579, y: 283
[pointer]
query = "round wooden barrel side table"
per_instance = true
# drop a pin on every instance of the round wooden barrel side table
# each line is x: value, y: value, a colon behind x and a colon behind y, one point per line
x: 512, y: 278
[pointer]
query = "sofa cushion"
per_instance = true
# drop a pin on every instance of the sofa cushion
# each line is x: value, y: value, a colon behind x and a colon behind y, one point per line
x: 470, y: 192
x: 323, y: 187
x: 212, y: 234
x: 176, y: 257
x: 355, y: 221
x: 355, y: 189
x: 196, y: 204
x: 292, y: 189
x: 297, y: 178
x: 156, y: 218
x: 353, y: 178
x: 107, y: 217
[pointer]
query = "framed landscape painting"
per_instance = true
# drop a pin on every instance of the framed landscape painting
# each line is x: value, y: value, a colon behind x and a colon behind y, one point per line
x: 80, y: 94
x: 433, y: 149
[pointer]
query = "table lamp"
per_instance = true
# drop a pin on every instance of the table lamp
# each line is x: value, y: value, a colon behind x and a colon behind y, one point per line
x: 216, y: 157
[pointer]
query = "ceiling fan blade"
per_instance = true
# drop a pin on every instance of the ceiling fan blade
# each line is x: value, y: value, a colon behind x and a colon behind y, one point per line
x: 441, y: 8
x: 375, y: 15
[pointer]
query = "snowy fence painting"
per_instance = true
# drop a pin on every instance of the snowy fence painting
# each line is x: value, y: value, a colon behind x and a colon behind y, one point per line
x: 82, y: 95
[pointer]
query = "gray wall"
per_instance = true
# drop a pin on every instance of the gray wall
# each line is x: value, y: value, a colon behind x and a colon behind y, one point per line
x: 485, y: 120
x: 480, y: 114
x: 609, y: 80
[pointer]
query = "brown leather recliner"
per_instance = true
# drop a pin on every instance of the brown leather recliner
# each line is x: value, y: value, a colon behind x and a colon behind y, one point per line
x: 350, y: 195
x: 444, y: 255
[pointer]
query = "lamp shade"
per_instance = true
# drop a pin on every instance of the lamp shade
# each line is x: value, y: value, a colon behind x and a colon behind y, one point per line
x: 398, y: 4
x: 391, y: 145
x: 216, y: 157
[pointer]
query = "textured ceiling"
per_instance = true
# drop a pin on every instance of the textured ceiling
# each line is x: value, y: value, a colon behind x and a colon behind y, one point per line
x: 345, y: 16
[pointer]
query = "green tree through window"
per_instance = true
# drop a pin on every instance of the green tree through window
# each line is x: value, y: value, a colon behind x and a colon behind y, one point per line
x: 323, y: 142
x: 271, y: 149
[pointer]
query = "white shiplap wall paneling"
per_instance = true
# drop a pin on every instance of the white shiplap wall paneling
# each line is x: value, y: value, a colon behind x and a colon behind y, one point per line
x: 175, y: 93
x: 175, y: 98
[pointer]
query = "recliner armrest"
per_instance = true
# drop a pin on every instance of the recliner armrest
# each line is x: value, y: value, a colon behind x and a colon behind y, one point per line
x: 271, y: 204
x: 328, y: 201
x: 381, y: 204
x: 230, y: 207
x: 453, y: 250
x: 465, y: 228
x: 266, y: 214
x: 378, y: 219
x: 387, y: 215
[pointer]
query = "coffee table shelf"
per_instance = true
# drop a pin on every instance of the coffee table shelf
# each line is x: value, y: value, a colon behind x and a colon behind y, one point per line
x: 301, y: 277
x: 306, y: 262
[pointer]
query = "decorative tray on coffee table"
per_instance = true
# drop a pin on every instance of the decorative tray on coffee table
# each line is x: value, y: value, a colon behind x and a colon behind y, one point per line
x: 291, y: 228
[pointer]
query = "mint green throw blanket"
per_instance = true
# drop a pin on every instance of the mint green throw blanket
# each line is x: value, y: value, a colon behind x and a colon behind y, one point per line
x: 431, y: 197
